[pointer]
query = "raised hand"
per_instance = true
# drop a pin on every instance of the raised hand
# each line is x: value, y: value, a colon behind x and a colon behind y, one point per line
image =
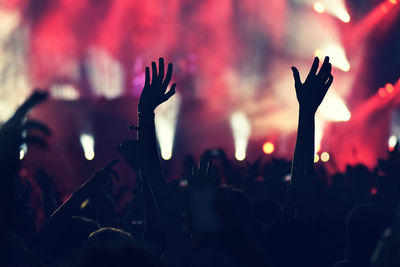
x: 155, y: 90
x: 311, y: 93
x: 102, y: 177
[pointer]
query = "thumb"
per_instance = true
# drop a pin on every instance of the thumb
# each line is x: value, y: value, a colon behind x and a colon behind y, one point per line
x: 296, y: 76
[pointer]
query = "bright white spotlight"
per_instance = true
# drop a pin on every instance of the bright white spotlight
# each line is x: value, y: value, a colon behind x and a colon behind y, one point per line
x: 319, y: 7
x: 241, y: 129
x: 64, y: 92
x: 165, y: 120
x: 106, y: 75
x: 392, y: 142
x: 87, y: 142
x: 337, y: 56
x: 333, y: 108
x: 23, y: 150
x: 344, y: 16
x: 9, y: 20
x: 319, y: 134
x: 337, y: 8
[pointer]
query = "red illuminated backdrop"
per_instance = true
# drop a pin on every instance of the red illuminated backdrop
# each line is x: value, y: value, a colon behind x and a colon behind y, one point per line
x: 230, y: 57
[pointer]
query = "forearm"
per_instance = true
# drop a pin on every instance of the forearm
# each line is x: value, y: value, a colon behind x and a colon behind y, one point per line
x: 167, y: 206
x: 303, y: 159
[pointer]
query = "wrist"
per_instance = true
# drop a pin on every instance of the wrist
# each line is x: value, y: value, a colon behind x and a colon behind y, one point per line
x: 306, y: 111
x: 146, y: 114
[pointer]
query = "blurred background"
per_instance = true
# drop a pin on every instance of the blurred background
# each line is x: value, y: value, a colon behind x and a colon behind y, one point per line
x: 232, y: 62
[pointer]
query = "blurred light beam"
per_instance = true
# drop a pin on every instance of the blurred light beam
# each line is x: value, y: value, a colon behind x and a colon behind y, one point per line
x: 241, y: 130
x: 87, y: 142
x: 165, y: 121
x: 333, y: 108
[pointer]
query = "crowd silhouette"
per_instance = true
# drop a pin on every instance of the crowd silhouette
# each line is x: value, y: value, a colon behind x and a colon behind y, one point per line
x: 217, y: 214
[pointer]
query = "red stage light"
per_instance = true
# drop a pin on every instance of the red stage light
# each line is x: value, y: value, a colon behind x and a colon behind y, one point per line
x: 268, y: 148
x: 384, y: 8
x: 382, y: 92
x: 389, y: 88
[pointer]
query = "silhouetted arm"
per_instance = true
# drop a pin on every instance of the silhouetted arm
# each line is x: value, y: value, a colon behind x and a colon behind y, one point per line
x: 154, y: 93
x: 309, y: 95
x: 156, y: 192
x: 85, y: 192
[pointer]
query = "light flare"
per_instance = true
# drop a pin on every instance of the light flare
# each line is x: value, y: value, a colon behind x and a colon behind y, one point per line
x: 268, y: 148
x: 333, y: 108
x: 165, y: 121
x: 241, y: 130
x: 87, y: 142
x: 325, y: 156
x: 319, y: 7
x: 392, y: 142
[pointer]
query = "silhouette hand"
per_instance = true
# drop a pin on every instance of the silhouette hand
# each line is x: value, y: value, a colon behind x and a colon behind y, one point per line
x: 154, y: 92
x: 311, y: 93
x: 102, y: 177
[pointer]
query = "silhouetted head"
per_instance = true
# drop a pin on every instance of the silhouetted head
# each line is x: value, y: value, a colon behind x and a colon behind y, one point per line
x: 72, y: 236
x: 365, y: 225
x: 114, y: 247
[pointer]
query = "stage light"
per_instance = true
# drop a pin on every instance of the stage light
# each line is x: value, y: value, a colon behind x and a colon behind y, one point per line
x: 165, y: 121
x: 336, y: 8
x: 337, y: 56
x: 316, y: 158
x: 23, y: 150
x: 333, y: 108
x: 319, y: 133
x: 392, y: 142
x: 87, y: 142
x: 64, y: 92
x: 382, y: 92
x: 268, y: 148
x: 318, y: 53
x: 344, y: 16
x: 319, y: 7
x: 9, y: 21
x: 389, y: 88
x: 325, y: 156
x: 241, y: 130
x: 384, y: 8
x: 106, y: 75
x: 393, y: 2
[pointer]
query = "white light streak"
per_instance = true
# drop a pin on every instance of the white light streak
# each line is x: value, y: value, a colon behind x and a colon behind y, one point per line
x: 241, y: 129
x: 165, y: 120
x: 87, y: 142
